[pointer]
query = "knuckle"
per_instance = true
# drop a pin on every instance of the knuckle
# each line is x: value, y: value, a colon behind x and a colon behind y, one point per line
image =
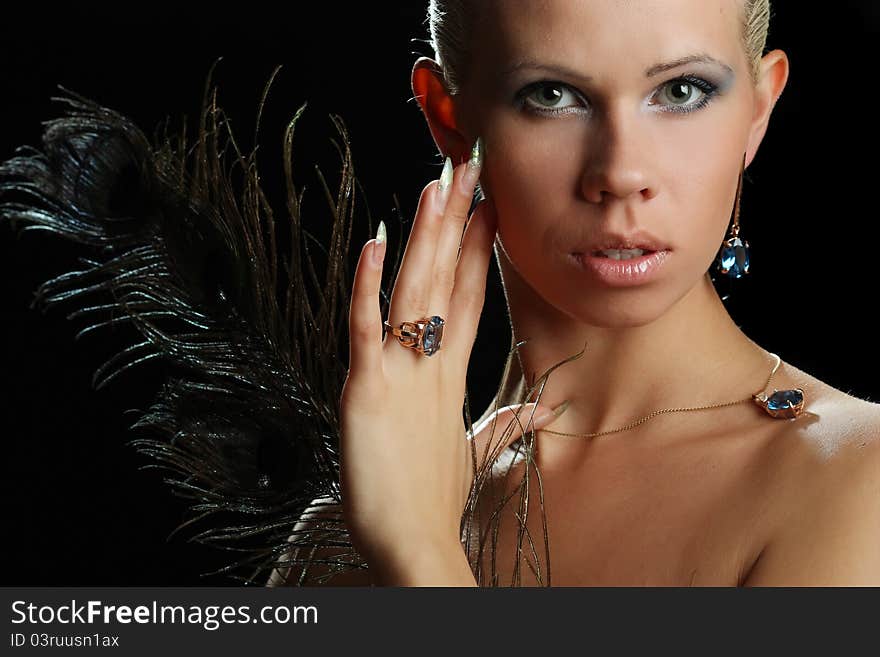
x: 445, y: 277
x: 415, y: 299
x: 456, y: 216
x: 364, y: 328
x: 473, y: 298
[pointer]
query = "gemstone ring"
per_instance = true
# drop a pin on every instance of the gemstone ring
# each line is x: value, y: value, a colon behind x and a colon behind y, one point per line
x: 423, y: 335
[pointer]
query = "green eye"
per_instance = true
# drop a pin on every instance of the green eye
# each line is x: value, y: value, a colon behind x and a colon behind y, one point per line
x: 548, y: 95
x: 549, y: 98
x: 687, y: 94
x: 680, y: 92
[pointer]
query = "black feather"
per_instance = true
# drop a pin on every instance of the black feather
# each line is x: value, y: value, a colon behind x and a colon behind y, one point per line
x: 247, y: 428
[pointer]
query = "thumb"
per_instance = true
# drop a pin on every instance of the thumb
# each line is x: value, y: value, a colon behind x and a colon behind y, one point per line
x: 510, y: 422
x: 545, y: 415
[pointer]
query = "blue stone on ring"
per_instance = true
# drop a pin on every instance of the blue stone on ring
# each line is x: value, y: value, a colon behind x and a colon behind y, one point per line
x: 432, y: 335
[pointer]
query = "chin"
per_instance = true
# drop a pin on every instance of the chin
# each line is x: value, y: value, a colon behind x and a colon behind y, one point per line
x: 611, y: 308
x: 614, y: 316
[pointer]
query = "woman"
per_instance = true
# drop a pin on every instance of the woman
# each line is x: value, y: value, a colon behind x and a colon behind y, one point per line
x: 601, y: 125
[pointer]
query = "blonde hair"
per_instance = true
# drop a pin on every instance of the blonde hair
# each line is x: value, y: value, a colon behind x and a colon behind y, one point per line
x: 449, y: 20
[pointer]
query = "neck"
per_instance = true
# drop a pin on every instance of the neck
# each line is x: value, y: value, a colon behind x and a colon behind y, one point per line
x: 692, y: 355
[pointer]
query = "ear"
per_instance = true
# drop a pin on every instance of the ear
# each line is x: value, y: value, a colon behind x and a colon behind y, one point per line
x: 429, y: 89
x: 773, y: 75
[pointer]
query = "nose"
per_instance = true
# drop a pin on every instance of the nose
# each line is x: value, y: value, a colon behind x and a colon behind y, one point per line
x: 619, y: 162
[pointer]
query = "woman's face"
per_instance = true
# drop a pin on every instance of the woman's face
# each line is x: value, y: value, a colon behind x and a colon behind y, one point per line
x: 589, y: 132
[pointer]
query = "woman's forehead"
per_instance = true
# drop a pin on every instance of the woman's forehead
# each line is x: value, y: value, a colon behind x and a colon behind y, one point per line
x: 589, y: 34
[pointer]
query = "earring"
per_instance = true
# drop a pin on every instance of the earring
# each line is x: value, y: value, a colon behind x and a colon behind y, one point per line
x: 733, y: 258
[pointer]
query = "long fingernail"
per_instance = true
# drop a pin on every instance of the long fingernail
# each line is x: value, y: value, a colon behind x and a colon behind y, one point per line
x: 475, y: 163
x: 379, y: 245
x: 550, y: 415
x: 559, y: 410
x: 445, y: 183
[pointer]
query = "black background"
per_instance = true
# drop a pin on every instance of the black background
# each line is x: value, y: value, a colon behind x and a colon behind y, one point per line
x: 78, y: 511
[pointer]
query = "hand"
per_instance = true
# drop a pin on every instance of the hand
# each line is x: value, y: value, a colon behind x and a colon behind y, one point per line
x: 406, y: 467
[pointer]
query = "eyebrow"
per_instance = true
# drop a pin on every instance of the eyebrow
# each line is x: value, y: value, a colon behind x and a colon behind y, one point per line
x: 656, y: 69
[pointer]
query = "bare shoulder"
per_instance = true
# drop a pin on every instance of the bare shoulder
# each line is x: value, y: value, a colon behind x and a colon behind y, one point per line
x: 319, y: 556
x: 827, y: 527
x: 836, y: 423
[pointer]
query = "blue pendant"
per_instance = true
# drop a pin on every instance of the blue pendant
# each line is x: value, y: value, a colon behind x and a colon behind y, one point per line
x: 734, y: 258
x: 786, y: 404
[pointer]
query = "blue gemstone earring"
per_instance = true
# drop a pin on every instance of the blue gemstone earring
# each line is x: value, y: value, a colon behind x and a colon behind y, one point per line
x: 733, y: 258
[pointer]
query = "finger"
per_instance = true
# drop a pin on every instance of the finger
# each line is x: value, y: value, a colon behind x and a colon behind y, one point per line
x: 469, y: 293
x: 365, y: 319
x: 510, y: 423
x: 412, y: 289
x: 455, y: 217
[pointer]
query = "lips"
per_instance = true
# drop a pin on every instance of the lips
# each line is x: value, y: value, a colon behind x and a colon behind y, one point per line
x: 639, y: 240
x: 624, y: 273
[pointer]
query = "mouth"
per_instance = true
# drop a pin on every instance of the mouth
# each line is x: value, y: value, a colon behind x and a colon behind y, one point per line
x: 623, y: 267
x: 620, y: 246
x: 621, y: 254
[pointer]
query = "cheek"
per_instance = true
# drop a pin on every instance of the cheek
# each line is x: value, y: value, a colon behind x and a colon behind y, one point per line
x: 705, y: 159
x: 710, y: 200
x: 534, y: 185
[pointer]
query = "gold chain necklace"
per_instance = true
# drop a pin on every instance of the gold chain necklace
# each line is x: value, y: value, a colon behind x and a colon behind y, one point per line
x: 782, y: 404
